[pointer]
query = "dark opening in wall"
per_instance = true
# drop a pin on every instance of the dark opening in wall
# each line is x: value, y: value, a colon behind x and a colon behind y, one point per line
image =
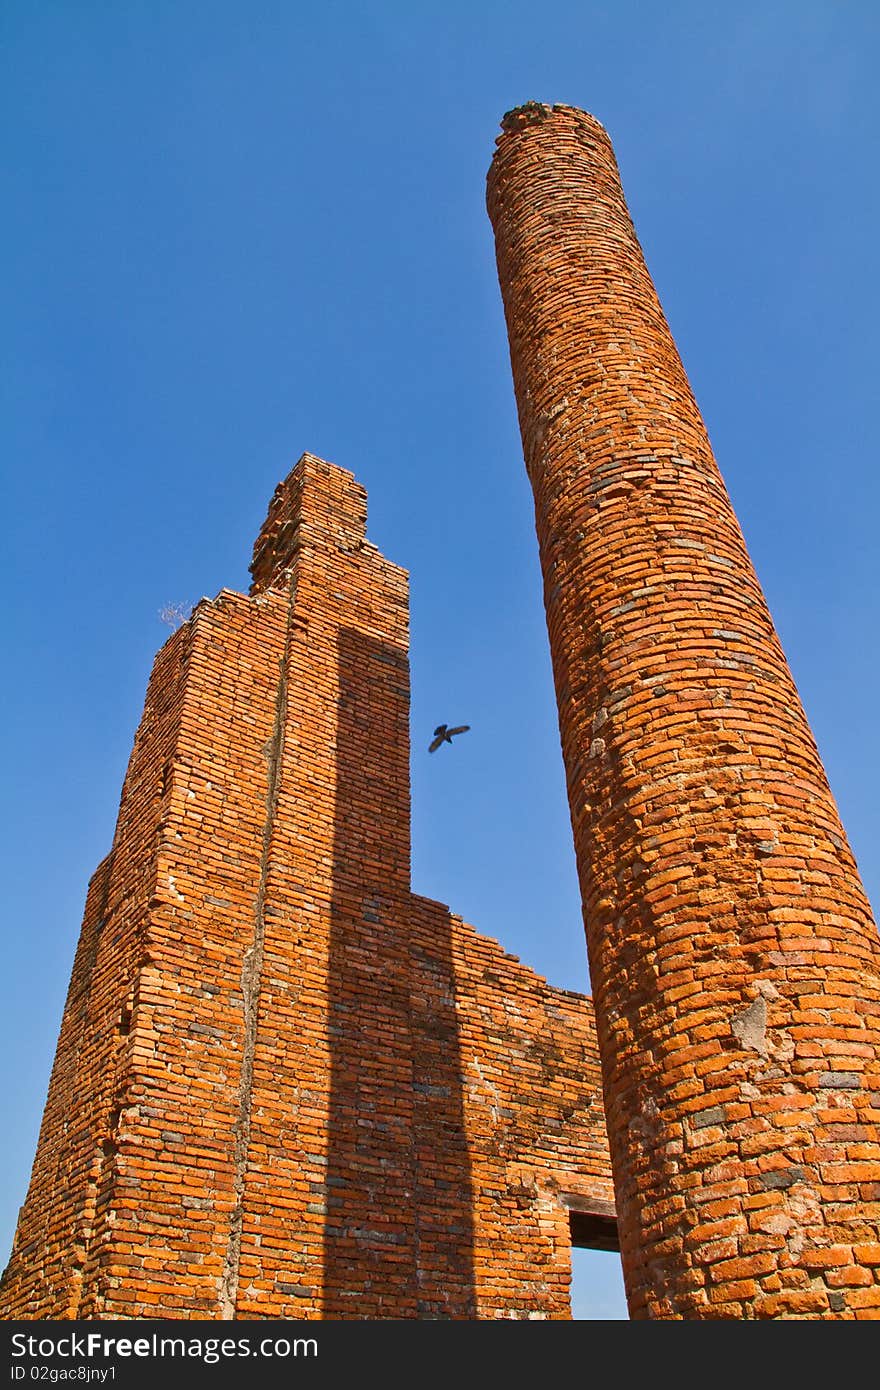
x: 593, y: 1223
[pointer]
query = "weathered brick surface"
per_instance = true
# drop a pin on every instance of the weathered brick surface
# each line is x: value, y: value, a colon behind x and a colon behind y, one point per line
x: 285, y: 1086
x: 733, y: 956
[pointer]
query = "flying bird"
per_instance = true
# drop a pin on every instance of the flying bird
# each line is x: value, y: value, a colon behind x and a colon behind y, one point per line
x: 443, y: 734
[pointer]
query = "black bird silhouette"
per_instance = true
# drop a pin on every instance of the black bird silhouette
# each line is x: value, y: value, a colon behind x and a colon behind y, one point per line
x: 443, y: 734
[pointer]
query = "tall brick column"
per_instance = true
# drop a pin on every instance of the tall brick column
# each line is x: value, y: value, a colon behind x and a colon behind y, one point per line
x: 733, y: 956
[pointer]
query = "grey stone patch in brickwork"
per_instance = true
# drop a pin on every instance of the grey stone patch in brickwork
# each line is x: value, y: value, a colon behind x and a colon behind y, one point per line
x: 782, y: 1177
x: 840, y: 1080
x: 713, y: 1116
x: 388, y: 658
x: 750, y: 1027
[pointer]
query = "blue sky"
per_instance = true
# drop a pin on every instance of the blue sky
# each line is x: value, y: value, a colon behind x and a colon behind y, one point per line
x: 235, y: 232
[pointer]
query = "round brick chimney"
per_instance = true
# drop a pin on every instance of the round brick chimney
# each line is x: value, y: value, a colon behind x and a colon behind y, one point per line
x: 733, y: 955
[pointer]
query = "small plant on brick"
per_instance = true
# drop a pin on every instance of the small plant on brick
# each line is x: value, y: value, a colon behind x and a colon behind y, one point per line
x: 175, y: 614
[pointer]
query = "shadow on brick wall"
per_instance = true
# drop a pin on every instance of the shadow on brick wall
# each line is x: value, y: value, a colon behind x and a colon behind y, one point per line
x: 399, y: 1230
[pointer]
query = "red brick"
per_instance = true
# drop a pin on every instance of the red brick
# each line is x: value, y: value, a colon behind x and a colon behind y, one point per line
x: 376, y: 1109
x: 655, y: 614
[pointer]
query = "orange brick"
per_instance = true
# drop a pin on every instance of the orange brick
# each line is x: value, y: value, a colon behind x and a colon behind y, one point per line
x: 654, y: 615
x: 348, y: 1102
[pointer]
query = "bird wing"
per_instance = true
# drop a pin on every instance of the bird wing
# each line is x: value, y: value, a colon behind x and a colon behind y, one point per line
x: 462, y: 729
x: 432, y: 747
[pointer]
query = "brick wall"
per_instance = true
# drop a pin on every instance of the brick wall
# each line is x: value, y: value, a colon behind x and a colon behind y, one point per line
x: 733, y: 956
x: 285, y: 1086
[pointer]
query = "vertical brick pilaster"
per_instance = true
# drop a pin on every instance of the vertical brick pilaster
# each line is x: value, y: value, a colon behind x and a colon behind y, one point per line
x: 332, y: 1086
x: 733, y: 956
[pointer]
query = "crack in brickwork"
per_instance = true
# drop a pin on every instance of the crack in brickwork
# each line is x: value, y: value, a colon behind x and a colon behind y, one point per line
x: 251, y: 973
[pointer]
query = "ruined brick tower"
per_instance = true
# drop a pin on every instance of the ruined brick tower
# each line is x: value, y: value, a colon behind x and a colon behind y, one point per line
x: 733, y: 957
x: 285, y: 1086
